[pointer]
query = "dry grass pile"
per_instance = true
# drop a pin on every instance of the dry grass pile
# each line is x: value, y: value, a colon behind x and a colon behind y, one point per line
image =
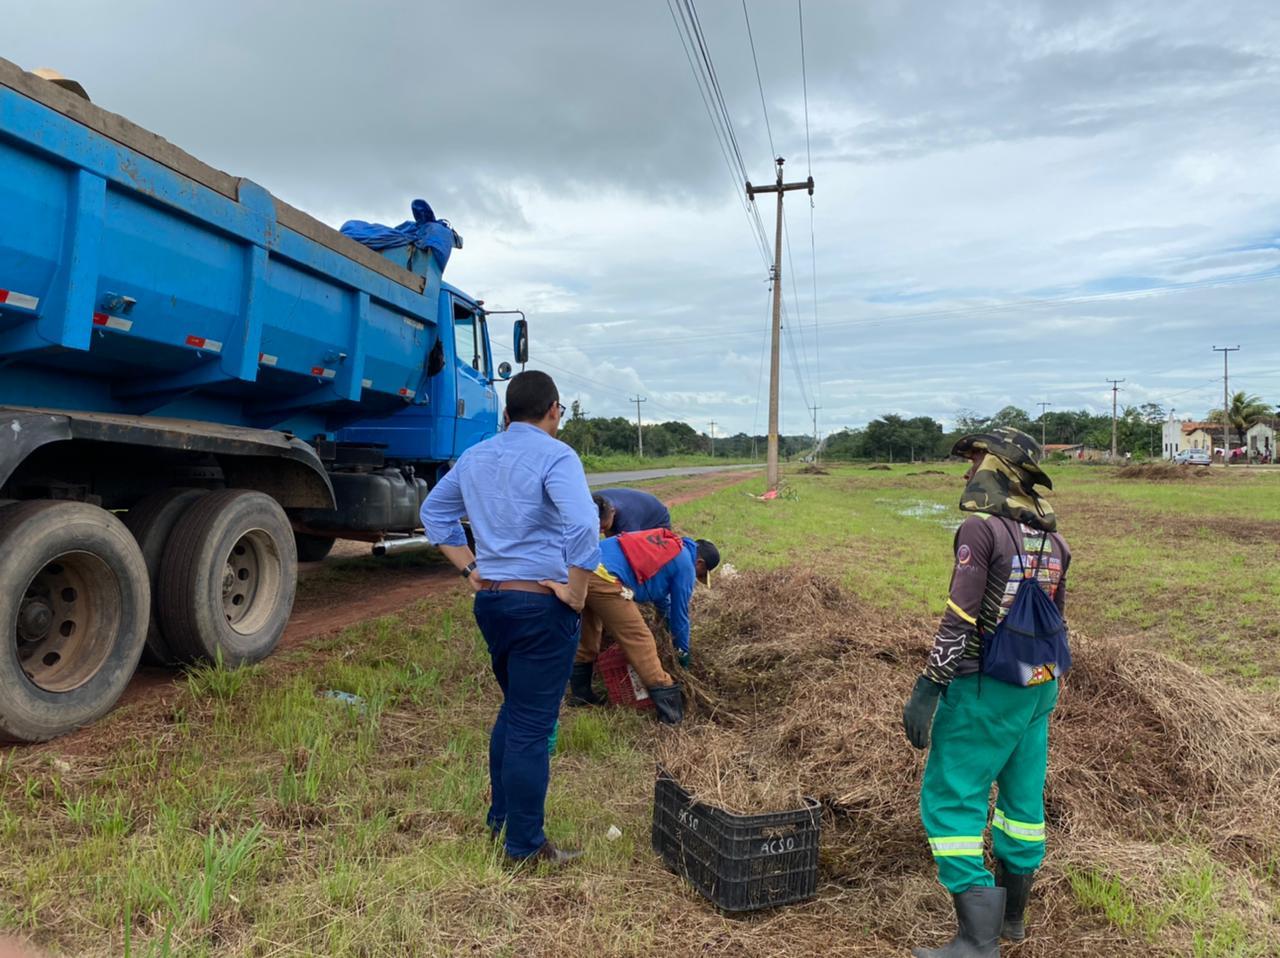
x: 811, y: 469
x: 1147, y: 754
x: 1161, y: 472
x: 727, y: 768
x: 759, y: 633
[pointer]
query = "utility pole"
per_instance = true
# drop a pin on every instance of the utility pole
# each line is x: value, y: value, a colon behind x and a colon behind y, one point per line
x: 815, y: 431
x: 713, y: 439
x: 639, y: 428
x: 1115, y: 388
x: 775, y: 353
x: 1043, y: 406
x: 1226, y: 403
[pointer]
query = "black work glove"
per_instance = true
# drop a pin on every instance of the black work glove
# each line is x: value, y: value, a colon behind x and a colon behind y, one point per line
x: 917, y: 714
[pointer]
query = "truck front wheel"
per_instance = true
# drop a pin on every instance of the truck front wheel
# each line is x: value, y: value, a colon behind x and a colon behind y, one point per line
x: 74, y: 606
x: 228, y: 578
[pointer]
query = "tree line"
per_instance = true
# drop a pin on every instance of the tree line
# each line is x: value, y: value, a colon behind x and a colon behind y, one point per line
x: 602, y: 436
x: 1138, y: 430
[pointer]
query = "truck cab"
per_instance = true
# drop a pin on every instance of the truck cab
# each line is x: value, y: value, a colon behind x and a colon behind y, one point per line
x: 458, y: 405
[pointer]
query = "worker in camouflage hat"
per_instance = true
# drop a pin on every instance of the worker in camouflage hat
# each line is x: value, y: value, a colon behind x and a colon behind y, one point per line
x: 980, y: 730
x: 1004, y: 478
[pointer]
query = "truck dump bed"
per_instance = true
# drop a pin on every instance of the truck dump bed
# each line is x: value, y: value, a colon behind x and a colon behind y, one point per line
x: 136, y: 279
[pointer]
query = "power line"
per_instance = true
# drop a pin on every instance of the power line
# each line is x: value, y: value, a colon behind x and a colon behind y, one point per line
x: 759, y: 83
x: 804, y: 83
x: 693, y: 42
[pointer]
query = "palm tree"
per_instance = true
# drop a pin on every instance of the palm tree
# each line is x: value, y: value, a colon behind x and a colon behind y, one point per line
x: 1243, y: 414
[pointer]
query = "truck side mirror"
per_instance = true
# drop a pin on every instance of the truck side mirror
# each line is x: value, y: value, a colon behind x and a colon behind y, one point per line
x: 504, y: 370
x: 521, y: 348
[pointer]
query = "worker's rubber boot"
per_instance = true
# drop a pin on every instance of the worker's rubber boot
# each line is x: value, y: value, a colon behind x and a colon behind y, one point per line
x: 1017, y: 890
x: 580, y: 690
x: 668, y: 703
x: 979, y: 915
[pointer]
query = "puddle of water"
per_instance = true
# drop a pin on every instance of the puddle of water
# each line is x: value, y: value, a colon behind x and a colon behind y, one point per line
x: 932, y: 512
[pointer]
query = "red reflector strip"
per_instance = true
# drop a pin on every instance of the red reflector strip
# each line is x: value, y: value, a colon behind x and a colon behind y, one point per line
x: 112, y: 322
x: 323, y: 373
x: 201, y: 342
x: 267, y: 359
x: 11, y: 298
x: 406, y: 392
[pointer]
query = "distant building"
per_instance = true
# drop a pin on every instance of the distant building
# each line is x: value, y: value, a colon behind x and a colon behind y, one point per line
x: 1260, y: 440
x: 1073, y: 450
x: 1178, y: 435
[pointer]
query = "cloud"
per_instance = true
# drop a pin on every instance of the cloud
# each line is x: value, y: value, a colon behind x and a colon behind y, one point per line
x: 1116, y: 159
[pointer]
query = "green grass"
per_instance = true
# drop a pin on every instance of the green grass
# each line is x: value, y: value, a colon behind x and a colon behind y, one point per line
x: 620, y: 463
x: 251, y: 813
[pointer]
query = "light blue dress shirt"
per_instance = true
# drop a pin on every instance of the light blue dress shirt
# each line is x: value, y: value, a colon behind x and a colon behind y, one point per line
x: 526, y: 497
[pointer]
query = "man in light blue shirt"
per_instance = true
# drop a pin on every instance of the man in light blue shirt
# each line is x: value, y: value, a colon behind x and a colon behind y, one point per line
x: 536, y: 531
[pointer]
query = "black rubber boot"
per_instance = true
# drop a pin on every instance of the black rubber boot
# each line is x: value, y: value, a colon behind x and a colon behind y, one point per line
x: 580, y: 690
x: 979, y: 914
x: 668, y: 703
x: 1017, y: 890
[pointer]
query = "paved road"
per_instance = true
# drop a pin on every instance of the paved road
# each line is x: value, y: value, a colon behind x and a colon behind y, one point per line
x: 597, y: 479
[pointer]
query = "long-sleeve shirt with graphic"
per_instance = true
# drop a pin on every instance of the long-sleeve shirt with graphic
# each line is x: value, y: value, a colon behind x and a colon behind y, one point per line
x: 990, y: 552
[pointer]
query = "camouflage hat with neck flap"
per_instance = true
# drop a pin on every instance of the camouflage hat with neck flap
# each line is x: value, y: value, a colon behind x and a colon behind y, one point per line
x: 1004, y: 484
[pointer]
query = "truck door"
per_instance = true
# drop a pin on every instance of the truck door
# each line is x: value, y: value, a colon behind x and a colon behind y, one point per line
x: 477, y: 405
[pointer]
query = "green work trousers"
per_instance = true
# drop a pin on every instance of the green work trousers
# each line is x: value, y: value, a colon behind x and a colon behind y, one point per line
x: 987, y: 731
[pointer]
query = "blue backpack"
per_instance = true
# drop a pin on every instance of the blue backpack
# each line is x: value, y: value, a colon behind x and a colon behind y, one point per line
x: 1029, y: 646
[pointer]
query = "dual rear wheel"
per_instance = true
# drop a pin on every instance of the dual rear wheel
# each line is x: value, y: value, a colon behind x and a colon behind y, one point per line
x: 190, y: 576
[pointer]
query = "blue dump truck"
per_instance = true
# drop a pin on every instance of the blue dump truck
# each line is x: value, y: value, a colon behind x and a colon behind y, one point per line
x: 199, y: 385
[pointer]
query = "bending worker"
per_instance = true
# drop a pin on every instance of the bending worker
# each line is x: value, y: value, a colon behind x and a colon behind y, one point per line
x: 986, y: 730
x: 655, y: 566
x: 526, y: 497
x: 630, y: 510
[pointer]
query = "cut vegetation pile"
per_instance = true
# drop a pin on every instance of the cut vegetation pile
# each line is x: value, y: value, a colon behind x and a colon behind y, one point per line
x: 1159, y: 776
x: 1162, y: 472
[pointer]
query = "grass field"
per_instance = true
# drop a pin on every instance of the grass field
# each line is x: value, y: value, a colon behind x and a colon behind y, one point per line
x: 259, y: 816
x: 620, y: 463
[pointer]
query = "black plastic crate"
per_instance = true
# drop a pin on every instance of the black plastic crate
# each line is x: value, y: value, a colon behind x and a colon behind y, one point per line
x: 740, y: 862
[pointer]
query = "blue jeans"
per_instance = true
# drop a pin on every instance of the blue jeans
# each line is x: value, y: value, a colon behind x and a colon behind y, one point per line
x: 532, y: 639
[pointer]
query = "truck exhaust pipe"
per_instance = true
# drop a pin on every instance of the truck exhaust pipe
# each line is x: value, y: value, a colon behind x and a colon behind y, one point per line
x: 390, y: 547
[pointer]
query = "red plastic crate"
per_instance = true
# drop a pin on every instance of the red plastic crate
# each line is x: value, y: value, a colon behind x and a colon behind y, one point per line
x: 620, y: 680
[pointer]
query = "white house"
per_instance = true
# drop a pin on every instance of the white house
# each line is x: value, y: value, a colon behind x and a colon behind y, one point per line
x: 1177, y: 435
x: 1260, y: 440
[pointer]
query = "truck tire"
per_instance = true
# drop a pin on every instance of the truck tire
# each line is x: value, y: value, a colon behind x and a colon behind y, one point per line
x: 74, y: 603
x: 151, y: 521
x: 312, y: 548
x: 227, y: 578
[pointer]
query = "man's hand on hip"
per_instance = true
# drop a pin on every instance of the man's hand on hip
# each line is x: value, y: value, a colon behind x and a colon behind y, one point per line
x: 566, y: 594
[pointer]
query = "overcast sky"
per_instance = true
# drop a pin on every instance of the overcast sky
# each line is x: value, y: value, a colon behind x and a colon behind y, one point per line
x: 1015, y: 201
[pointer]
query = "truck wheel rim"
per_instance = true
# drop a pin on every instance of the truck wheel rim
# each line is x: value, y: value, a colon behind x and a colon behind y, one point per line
x: 67, y: 621
x: 251, y: 582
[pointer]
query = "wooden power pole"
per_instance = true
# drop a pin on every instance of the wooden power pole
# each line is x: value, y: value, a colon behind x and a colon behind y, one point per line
x: 1226, y: 404
x: 1115, y: 388
x: 775, y: 353
x: 639, y: 427
x: 1043, y: 406
x: 713, y: 439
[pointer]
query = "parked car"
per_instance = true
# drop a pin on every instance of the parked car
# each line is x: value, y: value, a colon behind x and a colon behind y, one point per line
x: 1192, y: 457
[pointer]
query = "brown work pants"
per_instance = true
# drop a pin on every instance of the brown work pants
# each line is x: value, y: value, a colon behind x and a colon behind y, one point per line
x: 608, y: 610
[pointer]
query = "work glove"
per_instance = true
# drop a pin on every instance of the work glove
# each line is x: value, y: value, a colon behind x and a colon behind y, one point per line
x: 684, y: 658
x: 917, y: 714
